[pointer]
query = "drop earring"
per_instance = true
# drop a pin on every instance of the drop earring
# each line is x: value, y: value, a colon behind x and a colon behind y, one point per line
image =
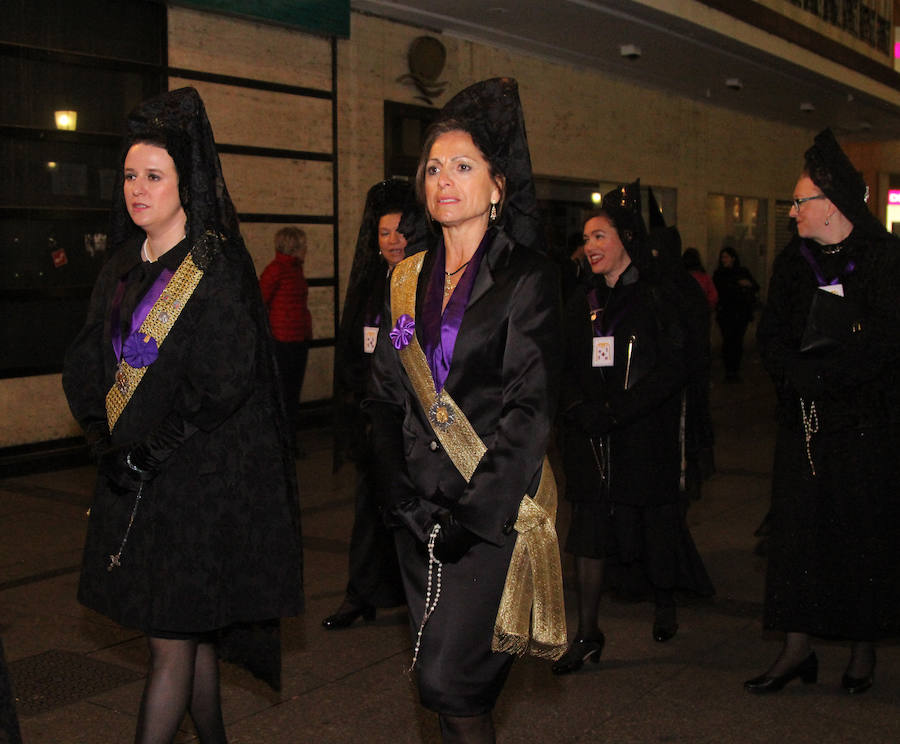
x: 826, y: 221
x: 493, y: 215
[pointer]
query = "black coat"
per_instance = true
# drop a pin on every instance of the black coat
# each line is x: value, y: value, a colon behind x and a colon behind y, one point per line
x: 643, y: 421
x: 833, y: 555
x: 215, y: 538
x: 504, y: 376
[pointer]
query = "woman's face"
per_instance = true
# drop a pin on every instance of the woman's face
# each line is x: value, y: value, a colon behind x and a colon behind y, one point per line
x: 603, y: 248
x: 151, y: 190
x: 391, y: 242
x: 726, y: 260
x: 459, y: 188
x: 811, y: 215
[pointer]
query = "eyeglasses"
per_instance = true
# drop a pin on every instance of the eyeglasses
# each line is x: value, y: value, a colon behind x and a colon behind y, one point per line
x: 799, y: 202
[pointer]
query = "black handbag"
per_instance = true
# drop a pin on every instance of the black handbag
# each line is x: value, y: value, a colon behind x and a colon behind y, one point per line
x: 831, y: 322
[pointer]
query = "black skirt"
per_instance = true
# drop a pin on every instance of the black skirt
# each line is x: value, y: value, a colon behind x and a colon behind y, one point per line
x: 457, y: 673
x: 834, y: 561
x: 645, y: 547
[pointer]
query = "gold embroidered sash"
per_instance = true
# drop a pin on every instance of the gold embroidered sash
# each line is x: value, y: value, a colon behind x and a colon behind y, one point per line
x: 531, y: 617
x: 158, y: 323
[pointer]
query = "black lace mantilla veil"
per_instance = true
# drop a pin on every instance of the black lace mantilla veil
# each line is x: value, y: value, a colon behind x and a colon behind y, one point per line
x: 178, y: 118
x: 385, y: 197
x: 623, y: 204
x: 492, y: 113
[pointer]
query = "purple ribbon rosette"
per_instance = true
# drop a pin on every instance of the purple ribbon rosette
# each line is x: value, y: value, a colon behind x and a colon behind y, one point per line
x: 402, y: 333
x: 140, y: 350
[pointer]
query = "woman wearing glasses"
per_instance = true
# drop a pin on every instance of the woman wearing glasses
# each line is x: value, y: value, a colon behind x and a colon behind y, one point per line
x: 830, y: 338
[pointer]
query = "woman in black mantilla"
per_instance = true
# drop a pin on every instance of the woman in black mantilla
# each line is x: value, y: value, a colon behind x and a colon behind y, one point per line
x: 463, y: 394
x: 194, y: 529
x: 830, y: 339
x: 374, y: 576
x: 624, y: 373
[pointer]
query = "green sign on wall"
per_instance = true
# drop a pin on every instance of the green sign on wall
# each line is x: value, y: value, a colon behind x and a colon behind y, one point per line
x: 327, y: 17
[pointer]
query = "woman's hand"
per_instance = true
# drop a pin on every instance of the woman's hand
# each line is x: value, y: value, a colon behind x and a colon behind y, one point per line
x: 453, y: 540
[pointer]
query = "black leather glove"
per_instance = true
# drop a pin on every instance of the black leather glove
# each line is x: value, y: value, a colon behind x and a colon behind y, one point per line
x: 593, y: 418
x: 412, y: 514
x: 113, y: 466
x: 96, y: 434
x: 146, y: 458
x: 803, y: 372
x: 453, y: 540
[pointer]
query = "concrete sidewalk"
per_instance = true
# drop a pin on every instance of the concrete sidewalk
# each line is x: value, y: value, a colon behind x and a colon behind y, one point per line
x: 78, y: 678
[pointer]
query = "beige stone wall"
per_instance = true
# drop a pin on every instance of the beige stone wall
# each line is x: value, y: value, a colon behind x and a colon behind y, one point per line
x: 581, y: 124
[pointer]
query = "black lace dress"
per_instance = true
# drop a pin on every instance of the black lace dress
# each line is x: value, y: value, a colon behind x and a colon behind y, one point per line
x: 215, y: 539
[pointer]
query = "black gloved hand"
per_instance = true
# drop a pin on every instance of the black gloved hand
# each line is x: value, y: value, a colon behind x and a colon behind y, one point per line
x: 113, y: 467
x: 803, y: 372
x: 413, y: 514
x: 593, y: 418
x: 96, y: 434
x: 146, y: 457
x: 453, y: 540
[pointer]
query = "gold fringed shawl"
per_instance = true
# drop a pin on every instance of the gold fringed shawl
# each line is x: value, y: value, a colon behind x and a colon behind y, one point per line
x: 531, y: 617
x: 158, y: 323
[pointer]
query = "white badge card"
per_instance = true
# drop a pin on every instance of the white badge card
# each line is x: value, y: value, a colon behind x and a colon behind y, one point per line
x: 370, y: 336
x: 603, y: 351
x: 836, y: 289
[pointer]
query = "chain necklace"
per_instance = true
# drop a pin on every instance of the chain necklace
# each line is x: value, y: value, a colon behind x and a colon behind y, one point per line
x: 450, y: 284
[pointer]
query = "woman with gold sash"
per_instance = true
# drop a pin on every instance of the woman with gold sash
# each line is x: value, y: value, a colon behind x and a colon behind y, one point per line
x: 462, y: 401
x: 193, y: 535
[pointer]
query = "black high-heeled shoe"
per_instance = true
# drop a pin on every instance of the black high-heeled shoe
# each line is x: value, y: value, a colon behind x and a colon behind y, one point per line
x: 580, y: 651
x: 807, y: 670
x: 346, y: 618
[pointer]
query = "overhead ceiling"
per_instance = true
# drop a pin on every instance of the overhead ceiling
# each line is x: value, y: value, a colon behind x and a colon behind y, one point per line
x: 676, y: 55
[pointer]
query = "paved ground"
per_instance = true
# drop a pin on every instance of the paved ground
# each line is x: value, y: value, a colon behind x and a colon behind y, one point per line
x: 78, y: 677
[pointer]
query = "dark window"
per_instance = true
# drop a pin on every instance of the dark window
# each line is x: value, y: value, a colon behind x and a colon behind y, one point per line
x: 97, y: 58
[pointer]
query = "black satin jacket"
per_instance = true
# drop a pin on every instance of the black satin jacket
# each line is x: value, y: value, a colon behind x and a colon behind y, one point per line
x: 504, y: 376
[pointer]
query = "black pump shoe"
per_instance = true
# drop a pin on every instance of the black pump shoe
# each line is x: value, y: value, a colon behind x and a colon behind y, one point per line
x: 856, y: 685
x: 663, y: 633
x: 807, y: 670
x: 345, y: 619
x: 579, y: 652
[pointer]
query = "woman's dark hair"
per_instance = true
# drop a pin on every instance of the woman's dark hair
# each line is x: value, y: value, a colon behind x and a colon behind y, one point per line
x: 691, y: 260
x: 731, y: 252
x: 444, y: 127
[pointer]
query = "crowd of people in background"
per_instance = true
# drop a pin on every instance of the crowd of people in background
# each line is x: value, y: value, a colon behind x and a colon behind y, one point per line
x: 464, y: 357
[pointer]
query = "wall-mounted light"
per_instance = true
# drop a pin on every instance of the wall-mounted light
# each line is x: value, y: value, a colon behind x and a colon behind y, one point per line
x: 734, y: 83
x: 631, y: 51
x: 51, y: 165
x: 596, y: 197
x: 66, y: 120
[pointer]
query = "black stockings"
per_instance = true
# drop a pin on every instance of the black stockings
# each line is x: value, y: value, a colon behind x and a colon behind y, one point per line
x: 797, y: 647
x: 589, y: 575
x: 467, y: 730
x: 184, y: 676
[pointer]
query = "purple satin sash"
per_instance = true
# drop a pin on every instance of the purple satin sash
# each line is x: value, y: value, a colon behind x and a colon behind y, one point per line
x: 817, y: 270
x: 598, y: 320
x: 140, y: 312
x: 439, y: 330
